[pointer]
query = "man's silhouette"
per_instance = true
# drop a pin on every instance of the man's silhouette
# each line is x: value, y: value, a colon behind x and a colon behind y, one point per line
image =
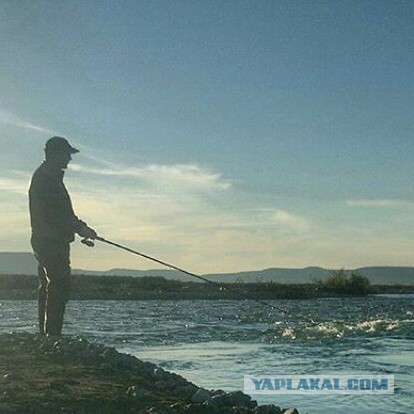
x: 54, y: 225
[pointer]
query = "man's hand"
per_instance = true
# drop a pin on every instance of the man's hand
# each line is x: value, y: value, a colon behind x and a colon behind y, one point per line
x: 87, y: 232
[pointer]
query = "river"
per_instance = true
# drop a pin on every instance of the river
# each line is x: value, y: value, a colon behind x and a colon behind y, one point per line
x: 215, y: 343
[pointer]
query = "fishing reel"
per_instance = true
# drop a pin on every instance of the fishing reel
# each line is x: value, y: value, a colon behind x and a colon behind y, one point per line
x: 88, y: 242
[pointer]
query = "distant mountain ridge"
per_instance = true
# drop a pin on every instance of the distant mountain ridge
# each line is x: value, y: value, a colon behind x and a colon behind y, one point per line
x: 17, y: 263
x: 25, y: 264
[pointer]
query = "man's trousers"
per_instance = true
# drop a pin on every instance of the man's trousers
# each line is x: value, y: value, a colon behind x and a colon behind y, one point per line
x: 54, y: 284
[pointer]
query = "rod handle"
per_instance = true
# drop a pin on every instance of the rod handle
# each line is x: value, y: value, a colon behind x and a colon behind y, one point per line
x: 88, y: 242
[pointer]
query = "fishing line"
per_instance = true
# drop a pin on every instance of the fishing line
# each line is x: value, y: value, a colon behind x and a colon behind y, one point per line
x: 90, y: 243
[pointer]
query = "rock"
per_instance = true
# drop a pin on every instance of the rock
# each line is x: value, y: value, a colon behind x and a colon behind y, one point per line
x: 291, y: 411
x: 59, y: 387
x: 137, y: 392
x: 58, y: 343
x: 199, y: 409
x: 159, y: 374
x: 8, y: 377
x: 267, y: 409
x: 45, y: 345
x: 126, y: 360
x: 217, y: 392
x: 233, y: 399
x: 185, y: 390
x: 106, y: 366
x: 243, y: 410
x: 150, y: 366
x: 109, y: 353
x: 200, y: 396
x: 113, y: 358
x: 177, y: 407
x: 237, y: 398
x: 210, y: 407
x: 252, y: 404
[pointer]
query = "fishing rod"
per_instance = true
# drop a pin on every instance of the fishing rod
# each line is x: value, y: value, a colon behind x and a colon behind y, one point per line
x: 90, y: 243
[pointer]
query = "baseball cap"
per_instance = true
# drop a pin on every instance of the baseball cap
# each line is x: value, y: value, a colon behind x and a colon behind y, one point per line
x: 59, y: 144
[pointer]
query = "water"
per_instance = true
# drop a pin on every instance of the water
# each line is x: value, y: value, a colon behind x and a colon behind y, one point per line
x: 215, y: 343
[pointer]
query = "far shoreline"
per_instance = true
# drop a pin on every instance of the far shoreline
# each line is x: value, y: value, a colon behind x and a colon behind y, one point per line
x: 86, y: 287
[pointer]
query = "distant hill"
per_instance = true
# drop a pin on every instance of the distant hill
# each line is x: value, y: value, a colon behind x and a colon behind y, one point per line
x: 21, y: 263
x: 279, y: 275
x: 168, y: 274
x: 25, y: 264
x: 12, y: 263
x: 388, y: 275
x: 380, y: 275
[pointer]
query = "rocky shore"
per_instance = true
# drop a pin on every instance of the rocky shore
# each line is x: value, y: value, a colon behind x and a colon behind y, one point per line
x: 72, y: 375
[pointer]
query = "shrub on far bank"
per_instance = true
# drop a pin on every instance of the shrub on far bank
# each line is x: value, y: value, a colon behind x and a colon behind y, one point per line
x: 347, y: 283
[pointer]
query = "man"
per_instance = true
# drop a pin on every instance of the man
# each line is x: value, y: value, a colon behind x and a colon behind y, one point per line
x: 54, y: 225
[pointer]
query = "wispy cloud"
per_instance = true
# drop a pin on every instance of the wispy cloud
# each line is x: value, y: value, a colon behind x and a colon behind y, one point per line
x: 13, y: 185
x: 167, y: 176
x: 291, y: 221
x: 379, y: 203
x: 10, y: 118
x: 181, y: 212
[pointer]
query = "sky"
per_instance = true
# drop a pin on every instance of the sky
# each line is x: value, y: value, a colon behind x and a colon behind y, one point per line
x: 220, y: 136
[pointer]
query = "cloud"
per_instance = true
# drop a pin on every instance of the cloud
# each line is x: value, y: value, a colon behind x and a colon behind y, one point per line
x: 181, y: 213
x: 291, y: 221
x: 164, y: 207
x: 16, y: 186
x: 379, y: 203
x: 167, y: 177
x: 14, y: 223
x: 9, y: 118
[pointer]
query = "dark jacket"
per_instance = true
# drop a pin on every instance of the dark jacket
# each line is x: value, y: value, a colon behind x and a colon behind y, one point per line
x: 51, y: 212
